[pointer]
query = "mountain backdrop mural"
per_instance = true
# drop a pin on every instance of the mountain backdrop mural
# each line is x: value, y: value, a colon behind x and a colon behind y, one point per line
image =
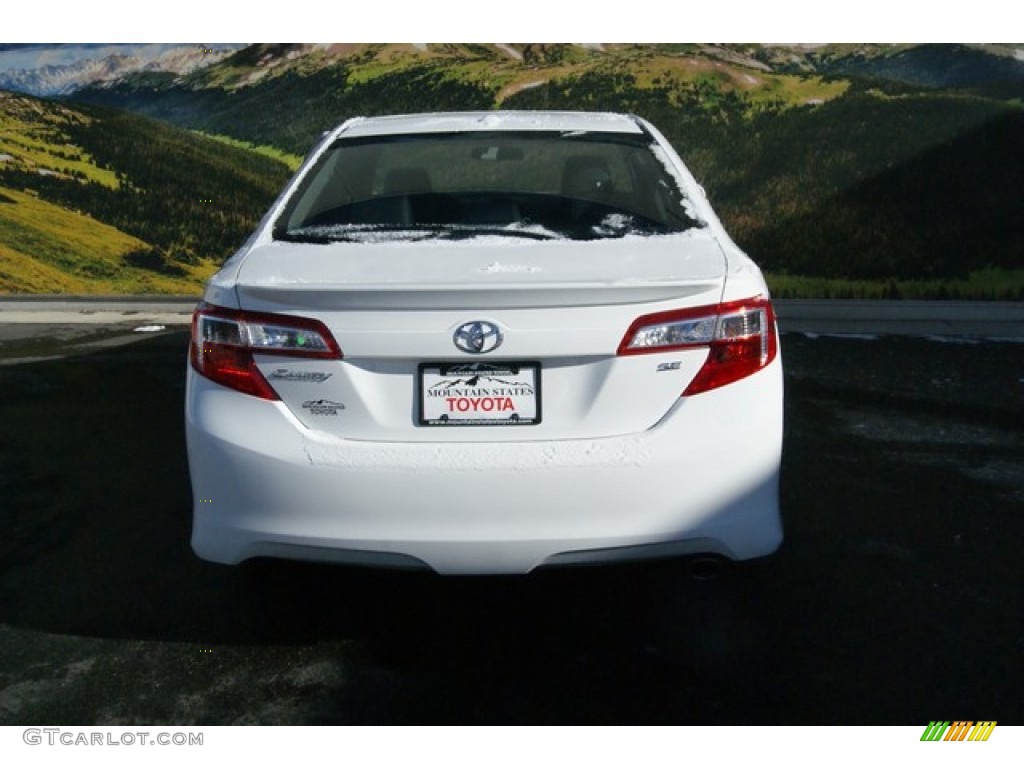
x: 844, y: 170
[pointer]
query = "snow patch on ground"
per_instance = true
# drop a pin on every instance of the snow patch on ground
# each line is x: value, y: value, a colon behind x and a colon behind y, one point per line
x: 860, y: 336
x: 13, y: 698
x: 911, y: 429
x: 254, y: 76
x: 505, y: 47
x: 41, y: 315
x: 972, y: 340
x: 149, y: 328
x: 952, y: 339
x: 517, y: 87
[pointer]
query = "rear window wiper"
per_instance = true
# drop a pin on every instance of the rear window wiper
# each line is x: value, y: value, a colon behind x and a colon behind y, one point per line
x: 301, y: 237
x: 466, y: 231
x: 358, y: 233
x: 362, y: 233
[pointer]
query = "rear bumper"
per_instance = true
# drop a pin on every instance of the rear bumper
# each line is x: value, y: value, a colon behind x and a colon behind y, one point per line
x: 704, y: 480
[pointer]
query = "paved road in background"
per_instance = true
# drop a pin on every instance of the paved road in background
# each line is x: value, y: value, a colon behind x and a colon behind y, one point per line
x: 30, y: 317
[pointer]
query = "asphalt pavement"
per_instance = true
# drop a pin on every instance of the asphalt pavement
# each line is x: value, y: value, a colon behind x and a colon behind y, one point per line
x: 896, y: 598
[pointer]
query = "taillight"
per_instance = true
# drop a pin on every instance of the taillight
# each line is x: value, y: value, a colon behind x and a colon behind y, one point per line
x: 740, y: 336
x: 224, y: 341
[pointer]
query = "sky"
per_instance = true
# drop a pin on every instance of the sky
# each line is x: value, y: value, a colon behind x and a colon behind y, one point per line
x: 34, y: 56
x: 61, y: 32
x: 780, y: 21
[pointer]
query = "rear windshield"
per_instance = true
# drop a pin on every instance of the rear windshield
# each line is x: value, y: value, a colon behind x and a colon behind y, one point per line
x: 528, y: 184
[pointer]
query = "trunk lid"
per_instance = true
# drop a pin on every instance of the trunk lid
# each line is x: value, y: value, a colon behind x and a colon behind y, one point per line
x: 561, y: 307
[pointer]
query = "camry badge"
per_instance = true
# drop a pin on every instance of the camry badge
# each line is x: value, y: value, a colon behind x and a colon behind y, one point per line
x: 478, y: 337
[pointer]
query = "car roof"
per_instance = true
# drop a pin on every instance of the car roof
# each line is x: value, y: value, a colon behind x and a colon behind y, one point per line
x: 457, y: 122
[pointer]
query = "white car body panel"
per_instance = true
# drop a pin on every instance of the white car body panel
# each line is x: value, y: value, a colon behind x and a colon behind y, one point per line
x: 620, y: 465
x: 487, y: 507
x: 479, y: 273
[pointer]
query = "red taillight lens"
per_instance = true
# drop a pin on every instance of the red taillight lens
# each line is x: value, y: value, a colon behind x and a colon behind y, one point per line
x: 224, y: 341
x: 740, y: 336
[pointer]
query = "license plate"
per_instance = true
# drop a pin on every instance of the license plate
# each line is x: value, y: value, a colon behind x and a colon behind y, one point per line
x: 479, y: 394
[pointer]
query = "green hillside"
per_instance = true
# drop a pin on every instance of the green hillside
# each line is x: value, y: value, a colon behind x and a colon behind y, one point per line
x: 915, y: 190
x: 96, y: 200
x: 950, y: 208
x: 45, y: 248
x: 34, y: 136
x: 313, y: 88
x: 933, y: 66
x: 843, y: 169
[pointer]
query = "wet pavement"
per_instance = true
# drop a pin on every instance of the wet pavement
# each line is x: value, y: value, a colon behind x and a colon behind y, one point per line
x: 896, y: 598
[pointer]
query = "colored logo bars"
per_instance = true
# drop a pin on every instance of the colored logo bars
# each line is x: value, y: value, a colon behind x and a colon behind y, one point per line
x: 960, y: 730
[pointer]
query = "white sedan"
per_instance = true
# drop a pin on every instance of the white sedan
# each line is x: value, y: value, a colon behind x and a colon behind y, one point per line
x: 486, y: 343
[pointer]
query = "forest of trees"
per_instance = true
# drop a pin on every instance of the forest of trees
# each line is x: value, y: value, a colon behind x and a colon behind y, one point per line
x: 887, y: 182
x: 188, y: 196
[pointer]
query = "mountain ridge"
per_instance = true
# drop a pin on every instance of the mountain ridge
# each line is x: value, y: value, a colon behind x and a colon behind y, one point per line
x: 937, y: 65
x: 64, y: 79
x: 866, y: 151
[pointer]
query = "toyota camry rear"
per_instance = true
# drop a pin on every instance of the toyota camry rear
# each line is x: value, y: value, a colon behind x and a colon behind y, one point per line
x: 485, y: 343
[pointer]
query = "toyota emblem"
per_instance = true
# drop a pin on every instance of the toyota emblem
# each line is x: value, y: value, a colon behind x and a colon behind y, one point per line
x: 478, y: 337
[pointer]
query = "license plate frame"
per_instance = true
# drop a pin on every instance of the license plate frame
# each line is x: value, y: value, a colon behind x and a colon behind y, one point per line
x: 492, y: 394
